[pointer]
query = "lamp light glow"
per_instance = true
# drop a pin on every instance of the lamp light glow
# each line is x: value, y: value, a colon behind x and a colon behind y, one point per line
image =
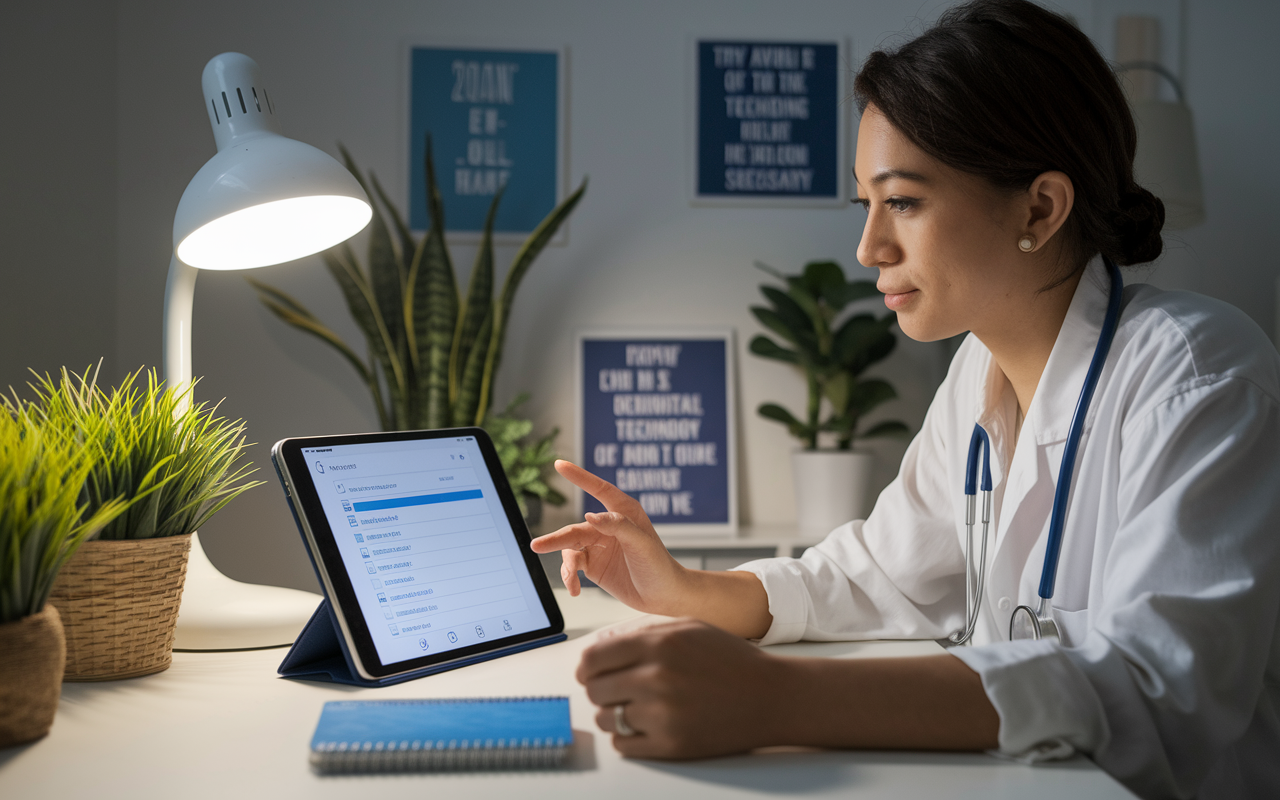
x: 275, y: 232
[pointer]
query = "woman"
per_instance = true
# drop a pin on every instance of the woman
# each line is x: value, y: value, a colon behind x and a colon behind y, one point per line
x: 994, y: 159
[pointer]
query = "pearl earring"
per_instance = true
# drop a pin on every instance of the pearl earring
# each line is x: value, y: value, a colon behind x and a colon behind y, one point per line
x: 1027, y: 243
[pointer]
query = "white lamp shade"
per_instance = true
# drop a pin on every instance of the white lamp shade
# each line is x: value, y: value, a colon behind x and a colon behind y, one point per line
x: 1166, y: 161
x: 266, y: 200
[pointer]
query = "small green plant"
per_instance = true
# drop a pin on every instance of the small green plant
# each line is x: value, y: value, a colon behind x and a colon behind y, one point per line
x: 43, y: 518
x: 805, y: 313
x: 523, y: 461
x: 174, y: 461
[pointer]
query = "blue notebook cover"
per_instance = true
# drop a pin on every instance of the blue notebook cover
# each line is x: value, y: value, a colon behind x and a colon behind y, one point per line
x: 413, y: 735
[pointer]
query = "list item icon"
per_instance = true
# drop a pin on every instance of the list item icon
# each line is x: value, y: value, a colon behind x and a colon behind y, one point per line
x: 319, y: 467
x: 346, y: 505
x: 506, y: 625
x: 352, y: 520
x: 480, y: 631
x: 341, y: 487
x: 423, y: 643
x: 359, y: 538
x: 453, y: 637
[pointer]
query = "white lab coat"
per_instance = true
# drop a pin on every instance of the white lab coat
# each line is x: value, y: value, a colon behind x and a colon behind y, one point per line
x: 1168, y: 588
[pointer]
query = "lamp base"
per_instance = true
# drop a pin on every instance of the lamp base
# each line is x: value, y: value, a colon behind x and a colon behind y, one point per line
x: 219, y: 613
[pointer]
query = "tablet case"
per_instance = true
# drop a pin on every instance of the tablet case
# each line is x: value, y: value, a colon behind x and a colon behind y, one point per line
x: 320, y: 654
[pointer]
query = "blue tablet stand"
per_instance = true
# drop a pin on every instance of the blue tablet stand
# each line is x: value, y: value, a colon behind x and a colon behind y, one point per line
x: 320, y: 654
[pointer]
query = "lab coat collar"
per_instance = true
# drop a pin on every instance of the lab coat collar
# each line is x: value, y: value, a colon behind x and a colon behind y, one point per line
x: 1049, y: 418
x: 1059, y: 389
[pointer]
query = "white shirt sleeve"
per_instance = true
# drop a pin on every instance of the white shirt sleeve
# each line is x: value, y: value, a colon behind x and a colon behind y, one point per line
x: 897, y: 575
x: 1181, y: 628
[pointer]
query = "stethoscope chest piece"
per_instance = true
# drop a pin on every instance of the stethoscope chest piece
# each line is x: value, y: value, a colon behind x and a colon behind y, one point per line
x: 1037, y: 623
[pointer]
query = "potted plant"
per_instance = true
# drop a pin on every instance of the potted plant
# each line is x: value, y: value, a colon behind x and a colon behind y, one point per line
x: 833, y: 349
x: 432, y: 354
x: 175, y: 463
x: 523, y: 461
x: 43, y: 520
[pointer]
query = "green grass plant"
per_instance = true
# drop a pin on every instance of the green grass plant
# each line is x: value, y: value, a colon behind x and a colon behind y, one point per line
x: 43, y: 514
x: 177, y: 462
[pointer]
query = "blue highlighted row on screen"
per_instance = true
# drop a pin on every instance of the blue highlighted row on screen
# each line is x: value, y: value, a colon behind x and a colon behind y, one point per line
x: 418, y: 500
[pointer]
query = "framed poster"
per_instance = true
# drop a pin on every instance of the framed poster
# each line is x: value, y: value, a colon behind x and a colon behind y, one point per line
x: 770, y: 123
x: 655, y: 418
x: 496, y: 118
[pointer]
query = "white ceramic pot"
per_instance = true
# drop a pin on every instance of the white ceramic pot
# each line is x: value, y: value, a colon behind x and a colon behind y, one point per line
x: 832, y: 487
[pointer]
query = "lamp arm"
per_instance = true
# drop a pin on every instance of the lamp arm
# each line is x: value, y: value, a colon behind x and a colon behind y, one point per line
x: 179, y: 295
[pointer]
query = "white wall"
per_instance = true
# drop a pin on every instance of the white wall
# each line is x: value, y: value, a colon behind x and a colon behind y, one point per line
x: 57, y: 187
x: 637, y: 255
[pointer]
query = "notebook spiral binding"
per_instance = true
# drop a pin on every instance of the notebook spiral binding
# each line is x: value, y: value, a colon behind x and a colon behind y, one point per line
x: 360, y: 757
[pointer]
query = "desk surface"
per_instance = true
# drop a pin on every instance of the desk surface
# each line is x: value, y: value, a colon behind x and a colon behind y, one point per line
x: 222, y: 725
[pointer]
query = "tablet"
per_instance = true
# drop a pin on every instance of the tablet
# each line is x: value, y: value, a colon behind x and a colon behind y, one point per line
x: 419, y: 544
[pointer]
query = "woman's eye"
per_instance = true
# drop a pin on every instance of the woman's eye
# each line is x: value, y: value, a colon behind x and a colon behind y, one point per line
x: 900, y: 204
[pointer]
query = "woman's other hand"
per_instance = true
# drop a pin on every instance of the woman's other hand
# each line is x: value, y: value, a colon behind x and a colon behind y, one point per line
x: 689, y: 690
x: 618, y: 550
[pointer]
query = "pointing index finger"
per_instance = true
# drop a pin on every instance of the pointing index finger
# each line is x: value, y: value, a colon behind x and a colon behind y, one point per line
x: 611, y: 496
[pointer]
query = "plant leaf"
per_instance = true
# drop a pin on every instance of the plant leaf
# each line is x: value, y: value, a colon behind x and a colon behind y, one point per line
x: 524, y: 259
x: 435, y: 310
x: 824, y: 279
x: 862, y: 341
x: 886, y: 430
x: 364, y: 309
x: 767, y: 348
x: 478, y: 305
x: 866, y: 395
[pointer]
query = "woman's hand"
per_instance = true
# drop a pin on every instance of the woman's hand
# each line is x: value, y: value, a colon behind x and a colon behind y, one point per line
x: 618, y: 550
x: 688, y: 690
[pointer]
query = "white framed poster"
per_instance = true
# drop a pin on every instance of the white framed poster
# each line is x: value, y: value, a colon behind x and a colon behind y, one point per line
x: 498, y: 117
x: 655, y: 417
x: 769, y: 122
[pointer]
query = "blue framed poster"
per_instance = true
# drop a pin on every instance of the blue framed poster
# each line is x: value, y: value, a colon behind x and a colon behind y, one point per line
x: 770, y: 123
x: 496, y: 118
x: 655, y: 413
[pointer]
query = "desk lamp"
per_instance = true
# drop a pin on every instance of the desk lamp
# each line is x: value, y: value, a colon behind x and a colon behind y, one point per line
x: 262, y: 200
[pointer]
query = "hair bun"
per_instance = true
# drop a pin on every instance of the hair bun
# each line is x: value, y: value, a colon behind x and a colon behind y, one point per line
x: 1136, y: 227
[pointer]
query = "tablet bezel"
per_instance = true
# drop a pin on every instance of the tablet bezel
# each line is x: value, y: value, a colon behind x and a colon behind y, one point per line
x: 327, y: 560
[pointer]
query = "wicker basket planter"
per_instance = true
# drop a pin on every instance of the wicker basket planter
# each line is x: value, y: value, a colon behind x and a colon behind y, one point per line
x: 119, y: 605
x: 31, y: 658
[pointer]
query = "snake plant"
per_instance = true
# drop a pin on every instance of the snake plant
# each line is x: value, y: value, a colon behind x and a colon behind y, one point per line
x: 435, y: 351
x: 804, y: 314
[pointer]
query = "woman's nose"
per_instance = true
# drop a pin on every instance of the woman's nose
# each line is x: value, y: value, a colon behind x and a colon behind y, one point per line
x: 878, y: 246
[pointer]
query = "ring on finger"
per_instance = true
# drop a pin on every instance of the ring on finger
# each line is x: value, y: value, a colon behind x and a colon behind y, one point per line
x: 620, y: 725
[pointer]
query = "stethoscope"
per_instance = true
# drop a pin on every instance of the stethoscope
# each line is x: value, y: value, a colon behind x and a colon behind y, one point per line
x: 1029, y: 623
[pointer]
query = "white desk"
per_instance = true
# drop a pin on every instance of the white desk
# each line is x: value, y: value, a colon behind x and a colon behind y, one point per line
x: 222, y: 725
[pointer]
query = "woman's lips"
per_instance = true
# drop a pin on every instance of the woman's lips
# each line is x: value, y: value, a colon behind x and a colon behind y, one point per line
x: 895, y: 301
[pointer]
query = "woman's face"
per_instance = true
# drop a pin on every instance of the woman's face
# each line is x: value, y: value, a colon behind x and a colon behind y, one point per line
x: 945, y: 242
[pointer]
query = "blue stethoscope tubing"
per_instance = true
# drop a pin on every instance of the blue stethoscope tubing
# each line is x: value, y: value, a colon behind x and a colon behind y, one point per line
x: 979, y: 442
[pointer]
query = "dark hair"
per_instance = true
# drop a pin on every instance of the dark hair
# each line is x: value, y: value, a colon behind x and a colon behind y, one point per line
x: 1005, y: 90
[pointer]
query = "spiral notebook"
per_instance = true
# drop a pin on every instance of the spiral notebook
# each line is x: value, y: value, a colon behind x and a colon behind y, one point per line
x: 449, y: 734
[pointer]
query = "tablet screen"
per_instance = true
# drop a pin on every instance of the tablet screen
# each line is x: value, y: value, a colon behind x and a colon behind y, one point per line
x: 421, y: 531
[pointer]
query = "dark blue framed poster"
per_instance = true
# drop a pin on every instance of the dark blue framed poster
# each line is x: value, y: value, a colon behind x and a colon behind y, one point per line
x: 655, y: 418
x: 770, y: 123
x: 496, y: 117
